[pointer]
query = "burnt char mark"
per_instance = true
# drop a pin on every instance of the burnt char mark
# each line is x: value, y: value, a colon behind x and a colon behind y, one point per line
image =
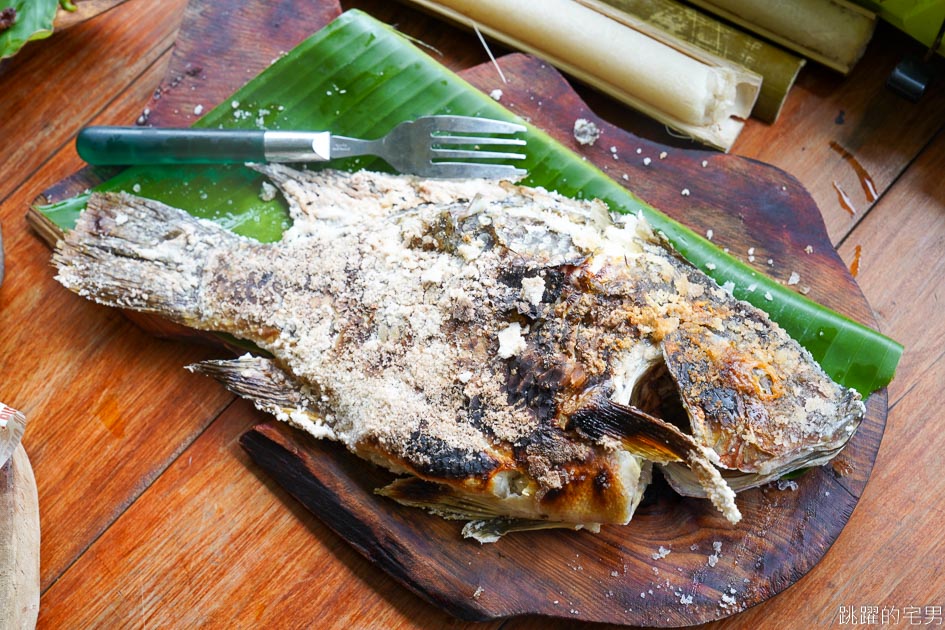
x: 474, y: 415
x: 528, y: 381
x: 590, y: 489
x: 431, y: 456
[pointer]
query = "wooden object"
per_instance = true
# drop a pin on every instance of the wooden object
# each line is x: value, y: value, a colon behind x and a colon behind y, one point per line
x: 778, y: 67
x: 19, y: 543
x: 832, y: 32
x: 701, y: 95
x: 172, y: 525
x: 84, y: 10
x: 743, y: 203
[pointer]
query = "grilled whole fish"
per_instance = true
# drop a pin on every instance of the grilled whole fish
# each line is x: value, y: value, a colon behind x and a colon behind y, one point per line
x: 520, y: 358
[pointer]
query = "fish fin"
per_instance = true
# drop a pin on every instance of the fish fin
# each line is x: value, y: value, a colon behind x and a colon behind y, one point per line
x: 655, y: 440
x: 439, y: 499
x: 486, y: 521
x: 271, y: 389
x: 136, y: 253
x: 491, y: 530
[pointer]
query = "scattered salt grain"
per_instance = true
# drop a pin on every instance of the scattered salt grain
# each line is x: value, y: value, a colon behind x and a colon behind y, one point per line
x: 768, y: 296
x: 684, y: 192
x: 709, y: 234
x: 794, y: 279
x: 662, y: 553
x: 809, y: 249
x: 663, y: 155
x: 136, y: 188
x: 511, y: 341
x: 267, y: 192
x: 705, y: 163
x: 198, y: 110
x: 496, y: 94
x: 585, y: 131
x: 710, y: 266
x: 646, y: 161
x: 478, y: 593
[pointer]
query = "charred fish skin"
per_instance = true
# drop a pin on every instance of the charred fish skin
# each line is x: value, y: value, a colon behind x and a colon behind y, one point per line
x: 467, y: 333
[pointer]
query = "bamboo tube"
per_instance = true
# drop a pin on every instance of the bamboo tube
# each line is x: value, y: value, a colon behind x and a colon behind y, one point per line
x: 778, y: 67
x: 832, y: 32
x: 696, y: 93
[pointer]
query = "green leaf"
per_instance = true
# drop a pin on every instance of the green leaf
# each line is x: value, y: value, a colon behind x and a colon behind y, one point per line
x: 359, y: 77
x: 34, y: 20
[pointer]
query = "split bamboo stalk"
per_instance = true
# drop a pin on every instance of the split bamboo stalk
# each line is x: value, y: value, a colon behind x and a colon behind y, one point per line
x: 778, y: 67
x: 688, y: 89
x: 832, y: 32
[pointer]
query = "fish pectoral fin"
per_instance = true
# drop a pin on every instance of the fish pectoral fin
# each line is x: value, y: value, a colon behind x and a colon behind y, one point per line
x: 271, y: 389
x: 439, y: 499
x: 637, y: 431
x: 487, y: 521
x: 491, y: 530
x: 656, y: 440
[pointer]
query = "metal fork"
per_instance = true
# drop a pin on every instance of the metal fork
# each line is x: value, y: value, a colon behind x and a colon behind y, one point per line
x: 431, y: 146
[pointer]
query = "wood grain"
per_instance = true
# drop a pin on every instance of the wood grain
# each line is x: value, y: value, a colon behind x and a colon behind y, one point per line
x: 45, y: 111
x: 887, y: 555
x: 193, y: 552
x: 433, y: 570
x: 71, y: 383
x: 84, y: 10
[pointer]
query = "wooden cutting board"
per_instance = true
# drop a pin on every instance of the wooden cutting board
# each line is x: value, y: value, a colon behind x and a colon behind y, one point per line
x: 622, y: 575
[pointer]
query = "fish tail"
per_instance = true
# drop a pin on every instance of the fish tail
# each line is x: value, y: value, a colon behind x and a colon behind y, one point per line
x: 140, y: 254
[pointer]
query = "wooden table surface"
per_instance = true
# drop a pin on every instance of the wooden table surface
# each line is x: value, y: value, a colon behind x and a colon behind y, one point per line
x: 153, y: 516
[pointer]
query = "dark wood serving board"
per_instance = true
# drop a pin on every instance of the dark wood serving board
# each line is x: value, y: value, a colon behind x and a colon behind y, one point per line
x: 713, y: 569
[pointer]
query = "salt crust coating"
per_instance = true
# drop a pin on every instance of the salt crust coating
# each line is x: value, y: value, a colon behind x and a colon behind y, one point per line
x: 399, y: 301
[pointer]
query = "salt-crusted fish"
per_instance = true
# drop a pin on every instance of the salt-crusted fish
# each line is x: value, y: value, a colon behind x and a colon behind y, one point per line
x: 521, y: 358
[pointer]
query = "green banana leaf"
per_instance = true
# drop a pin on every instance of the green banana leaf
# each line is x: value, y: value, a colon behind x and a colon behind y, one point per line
x: 34, y: 20
x: 358, y: 77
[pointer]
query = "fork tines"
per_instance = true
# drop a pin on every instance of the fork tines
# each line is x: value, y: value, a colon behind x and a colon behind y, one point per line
x: 456, y: 140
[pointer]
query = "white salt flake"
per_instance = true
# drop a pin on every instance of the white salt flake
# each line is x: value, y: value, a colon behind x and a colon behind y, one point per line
x: 511, y: 341
x: 684, y: 192
x: 646, y: 161
x: 496, y: 94
x: 794, y: 279
x: 661, y: 553
x: 585, y: 131
x: 267, y: 192
x: 198, y: 110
